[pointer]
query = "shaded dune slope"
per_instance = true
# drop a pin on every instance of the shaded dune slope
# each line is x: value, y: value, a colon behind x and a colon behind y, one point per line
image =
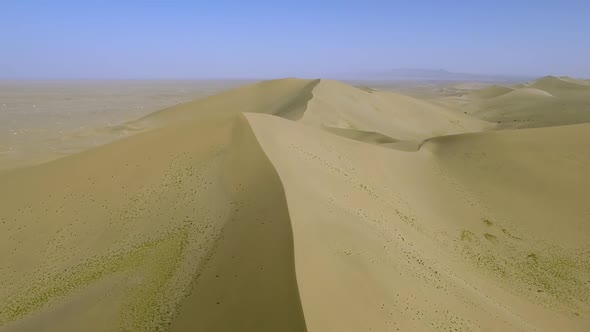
x: 186, y: 222
x: 360, y: 135
x: 227, y: 215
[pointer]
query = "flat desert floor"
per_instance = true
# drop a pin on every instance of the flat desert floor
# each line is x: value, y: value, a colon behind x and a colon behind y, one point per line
x: 295, y: 205
x: 44, y: 120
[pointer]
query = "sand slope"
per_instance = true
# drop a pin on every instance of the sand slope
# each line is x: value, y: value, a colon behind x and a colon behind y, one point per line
x: 125, y: 234
x: 490, y: 92
x: 42, y: 120
x: 548, y: 101
x: 559, y: 85
x: 400, y: 117
x: 281, y: 206
x: 405, y: 241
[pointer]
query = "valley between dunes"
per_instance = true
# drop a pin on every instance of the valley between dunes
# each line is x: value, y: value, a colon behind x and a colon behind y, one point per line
x: 310, y: 205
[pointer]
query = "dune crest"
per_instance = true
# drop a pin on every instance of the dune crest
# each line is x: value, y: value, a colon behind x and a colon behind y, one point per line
x: 403, y: 118
x: 490, y: 92
x: 151, y: 231
x: 410, y: 222
x: 558, y: 83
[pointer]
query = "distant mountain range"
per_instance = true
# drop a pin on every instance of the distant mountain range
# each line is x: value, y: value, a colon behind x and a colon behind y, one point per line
x: 412, y: 74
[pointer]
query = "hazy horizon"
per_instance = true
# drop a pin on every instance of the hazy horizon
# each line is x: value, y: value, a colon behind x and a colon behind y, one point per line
x: 261, y: 39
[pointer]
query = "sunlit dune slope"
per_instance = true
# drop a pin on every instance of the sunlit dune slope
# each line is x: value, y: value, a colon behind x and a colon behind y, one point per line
x: 400, y: 117
x: 490, y: 92
x: 548, y: 101
x: 559, y: 85
x: 423, y: 241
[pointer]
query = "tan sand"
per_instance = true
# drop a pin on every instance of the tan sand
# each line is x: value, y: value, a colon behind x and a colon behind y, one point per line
x: 45, y: 120
x: 548, y: 101
x: 400, y: 117
x: 413, y: 241
x: 286, y: 206
x: 490, y: 92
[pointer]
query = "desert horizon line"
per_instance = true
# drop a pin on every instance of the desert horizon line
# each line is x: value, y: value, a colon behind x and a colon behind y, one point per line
x: 278, y: 77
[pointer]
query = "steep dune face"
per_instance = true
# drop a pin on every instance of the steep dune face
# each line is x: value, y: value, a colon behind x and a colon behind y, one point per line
x: 116, y: 238
x: 360, y: 135
x: 285, y: 219
x: 251, y: 276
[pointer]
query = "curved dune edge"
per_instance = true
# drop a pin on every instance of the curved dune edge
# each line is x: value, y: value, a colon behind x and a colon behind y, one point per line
x: 384, y: 237
x: 163, y: 230
x: 250, y: 282
x: 400, y: 117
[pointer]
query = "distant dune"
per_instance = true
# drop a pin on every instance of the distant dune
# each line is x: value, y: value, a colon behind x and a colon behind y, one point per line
x: 305, y: 205
x: 490, y: 92
x: 400, y: 117
x: 548, y: 101
x: 44, y: 120
x: 559, y: 84
x: 423, y: 74
x: 500, y: 92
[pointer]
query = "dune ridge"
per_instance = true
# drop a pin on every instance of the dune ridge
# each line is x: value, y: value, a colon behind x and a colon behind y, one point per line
x: 490, y: 92
x: 264, y: 209
x: 548, y: 101
x: 154, y: 222
x: 552, y: 83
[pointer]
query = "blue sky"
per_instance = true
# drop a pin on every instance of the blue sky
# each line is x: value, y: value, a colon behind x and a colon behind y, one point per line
x: 261, y: 39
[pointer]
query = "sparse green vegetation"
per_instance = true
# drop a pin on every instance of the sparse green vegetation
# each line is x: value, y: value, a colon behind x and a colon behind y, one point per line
x: 468, y: 236
x: 505, y: 231
x: 491, y: 237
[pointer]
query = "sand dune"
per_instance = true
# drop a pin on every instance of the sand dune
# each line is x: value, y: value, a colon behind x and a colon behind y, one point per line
x: 361, y: 135
x: 400, y: 117
x: 559, y: 84
x: 143, y: 221
x: 548, y: 101
x: 399, y: 239
x: 515, y: 95
x: 286, y: 98
x: 490, y: 92
x: 286, y: 206
x: 43, y: 120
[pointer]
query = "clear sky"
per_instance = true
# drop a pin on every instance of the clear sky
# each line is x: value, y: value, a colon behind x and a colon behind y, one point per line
x: 305, y: 38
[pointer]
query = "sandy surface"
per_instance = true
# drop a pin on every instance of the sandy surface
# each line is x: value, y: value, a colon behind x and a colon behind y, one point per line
x: 43, y: 120
x: 549, y: 101
x: 305, y: 205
